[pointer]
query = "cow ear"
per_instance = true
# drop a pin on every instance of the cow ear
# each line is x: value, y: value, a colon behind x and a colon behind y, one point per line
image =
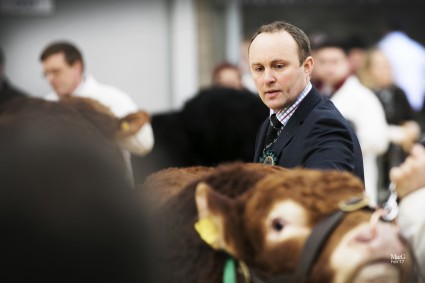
x: 212, y: 207
x: 135, y: 133
x: 132, y: 123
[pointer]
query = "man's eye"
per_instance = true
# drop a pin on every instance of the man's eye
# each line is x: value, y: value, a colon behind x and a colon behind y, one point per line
x: 52, y: 73
x: 258, y: 69
x: 280, y: 66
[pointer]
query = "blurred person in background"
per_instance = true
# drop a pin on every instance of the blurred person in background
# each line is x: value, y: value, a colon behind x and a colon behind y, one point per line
x: 358, y: 105
x: 376, y: 74
x: 356, y: 51
x: 316, y: 40
x: 407, y: 59
x: 227, y: 75
x: 7, y: 91
x: 409, y: 178
x: 303, y: 129
x: 247, y: 80
x: 63, y: 67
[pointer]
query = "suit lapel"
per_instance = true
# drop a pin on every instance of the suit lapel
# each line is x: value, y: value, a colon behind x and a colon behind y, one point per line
x: 260, y: 142
x: 308, y: 103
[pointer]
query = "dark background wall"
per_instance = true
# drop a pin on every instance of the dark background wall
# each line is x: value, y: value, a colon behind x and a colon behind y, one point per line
x: 338, y: 17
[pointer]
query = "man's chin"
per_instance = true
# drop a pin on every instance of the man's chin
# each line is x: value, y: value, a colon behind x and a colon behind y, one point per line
x: 275, y: 107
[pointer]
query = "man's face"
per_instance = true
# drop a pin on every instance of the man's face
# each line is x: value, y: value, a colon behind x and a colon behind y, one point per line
x: 63, y: 78
x: 333, y: 65
x: 380, y: 70
x: 276, y: 69
x: 229, y: 78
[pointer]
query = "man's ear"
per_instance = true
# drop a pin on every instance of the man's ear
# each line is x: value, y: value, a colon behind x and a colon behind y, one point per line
x: 78, y: 66
x: 308, y: 65
x: 212, y: 210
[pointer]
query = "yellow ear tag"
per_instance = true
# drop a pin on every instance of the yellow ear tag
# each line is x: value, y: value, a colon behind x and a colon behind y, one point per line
x: 125, y: 125
x: 208, y: 232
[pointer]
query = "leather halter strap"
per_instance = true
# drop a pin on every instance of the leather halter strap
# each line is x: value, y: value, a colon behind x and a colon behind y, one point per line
x: 315, y: 243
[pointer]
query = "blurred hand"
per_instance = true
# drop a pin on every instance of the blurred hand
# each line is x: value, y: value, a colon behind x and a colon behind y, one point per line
x: 412, y: 132
x: 405, y: 135
x: 410, y: 175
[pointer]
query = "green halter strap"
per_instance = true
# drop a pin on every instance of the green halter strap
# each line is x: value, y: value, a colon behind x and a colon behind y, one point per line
x: 229, y: 273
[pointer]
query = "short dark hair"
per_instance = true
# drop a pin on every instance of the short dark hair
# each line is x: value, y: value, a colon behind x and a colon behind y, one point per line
x: 223, y: 66
x: 72, y: 54
x: 297, y: 34
x: 334, y: 43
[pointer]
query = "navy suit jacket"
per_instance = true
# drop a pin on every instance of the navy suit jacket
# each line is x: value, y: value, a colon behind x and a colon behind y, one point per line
x: 316, y: 136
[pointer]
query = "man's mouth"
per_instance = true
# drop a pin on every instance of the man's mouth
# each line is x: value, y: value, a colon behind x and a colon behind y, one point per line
x: 272, y: 92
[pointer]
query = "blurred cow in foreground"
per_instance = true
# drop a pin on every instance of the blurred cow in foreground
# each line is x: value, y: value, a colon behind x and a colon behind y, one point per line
x: 67, y: 209
x: 279, y: 225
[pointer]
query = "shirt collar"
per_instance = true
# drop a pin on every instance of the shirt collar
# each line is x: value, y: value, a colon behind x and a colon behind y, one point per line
x: 284, y: 114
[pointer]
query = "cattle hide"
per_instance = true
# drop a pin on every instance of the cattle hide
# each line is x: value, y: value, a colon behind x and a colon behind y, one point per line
x: 263, y: 216
x: 165, y: 184
x: 183, y: 252
x: 218, y: 125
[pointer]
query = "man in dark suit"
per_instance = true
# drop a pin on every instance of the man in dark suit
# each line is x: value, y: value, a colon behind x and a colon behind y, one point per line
x: 303, y: 129
x: 7, y: 92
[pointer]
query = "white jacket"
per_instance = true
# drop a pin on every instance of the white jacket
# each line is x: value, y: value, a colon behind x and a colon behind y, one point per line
x: 116, y: 100
x: 361, y: 107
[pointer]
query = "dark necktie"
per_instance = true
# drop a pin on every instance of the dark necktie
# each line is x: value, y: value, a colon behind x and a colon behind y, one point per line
x: 272, y: 132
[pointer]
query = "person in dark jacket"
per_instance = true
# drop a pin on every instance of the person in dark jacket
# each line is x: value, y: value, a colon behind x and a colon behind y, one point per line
x: 310, y: 131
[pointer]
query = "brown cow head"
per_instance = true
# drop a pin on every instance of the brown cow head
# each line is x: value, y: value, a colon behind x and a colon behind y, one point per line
x: 267, y: 227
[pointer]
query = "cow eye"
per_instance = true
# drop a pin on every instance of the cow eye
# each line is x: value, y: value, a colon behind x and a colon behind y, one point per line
x: 278, y: 224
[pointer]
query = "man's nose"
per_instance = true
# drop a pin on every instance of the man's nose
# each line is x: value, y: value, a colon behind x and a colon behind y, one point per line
x: 269, y: 77
x: 49, y: 77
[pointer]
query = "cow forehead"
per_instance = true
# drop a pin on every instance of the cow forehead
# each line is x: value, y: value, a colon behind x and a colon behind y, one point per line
x: 319, y: 192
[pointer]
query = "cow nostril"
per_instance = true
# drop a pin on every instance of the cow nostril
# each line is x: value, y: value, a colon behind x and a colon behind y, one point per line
x: 278, y: 225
